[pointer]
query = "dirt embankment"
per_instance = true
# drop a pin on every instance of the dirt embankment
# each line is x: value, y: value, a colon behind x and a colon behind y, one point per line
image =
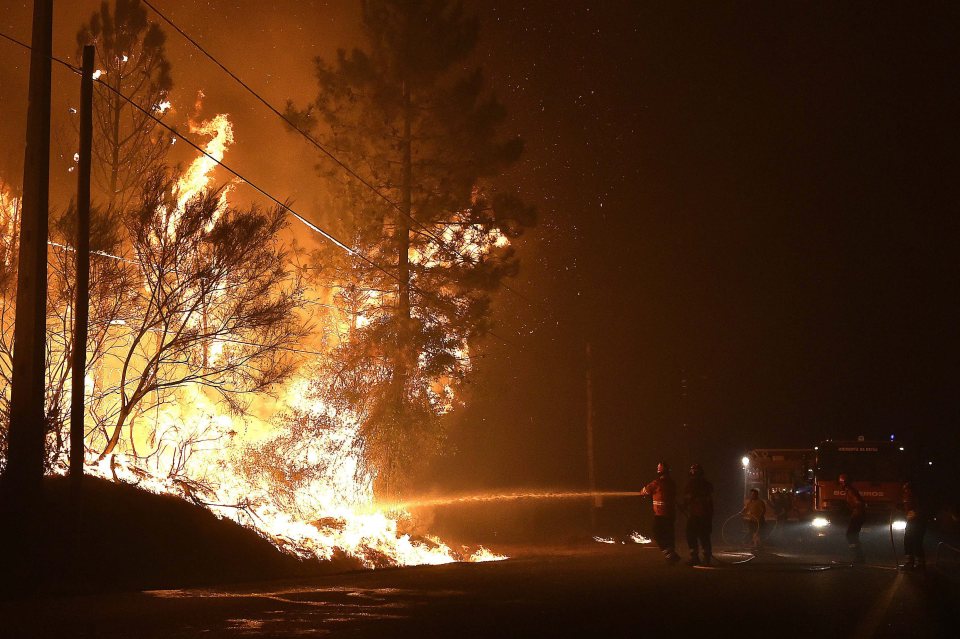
x: 130, y: 539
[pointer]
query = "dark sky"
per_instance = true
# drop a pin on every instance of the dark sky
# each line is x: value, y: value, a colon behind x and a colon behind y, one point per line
x: 757, y: 198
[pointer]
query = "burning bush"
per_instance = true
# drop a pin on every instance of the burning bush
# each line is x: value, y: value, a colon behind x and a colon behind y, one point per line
x: 192, y: 293
x: 216, y: 308
x: 109, y: 276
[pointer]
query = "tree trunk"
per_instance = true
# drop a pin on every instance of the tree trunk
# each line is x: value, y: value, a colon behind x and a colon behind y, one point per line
x: 115, y: 437
x: 403, y: 257
x: 115, y: 141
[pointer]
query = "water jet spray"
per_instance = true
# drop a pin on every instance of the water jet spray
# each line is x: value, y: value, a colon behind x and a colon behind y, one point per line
x: 499, y: 497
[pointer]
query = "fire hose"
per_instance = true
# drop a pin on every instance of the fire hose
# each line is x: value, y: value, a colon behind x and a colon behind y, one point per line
x: 755, y: 524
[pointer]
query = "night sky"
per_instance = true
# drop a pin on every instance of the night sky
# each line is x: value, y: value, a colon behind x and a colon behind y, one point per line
x: 757, y: 198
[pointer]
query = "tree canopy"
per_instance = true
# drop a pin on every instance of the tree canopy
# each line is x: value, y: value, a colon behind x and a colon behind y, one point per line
x: 131, y: 55
x: 417, y: 122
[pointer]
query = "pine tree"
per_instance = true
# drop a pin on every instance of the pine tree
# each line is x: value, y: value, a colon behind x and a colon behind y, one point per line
x: 128, y: 144
x: 410, y: 115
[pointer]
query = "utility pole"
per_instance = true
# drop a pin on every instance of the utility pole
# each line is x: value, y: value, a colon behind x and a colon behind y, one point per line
x: 685, y: 413
x: 22, y: 489
x: 82, y: 292
x: 26, y: 445
x: 591, y: 470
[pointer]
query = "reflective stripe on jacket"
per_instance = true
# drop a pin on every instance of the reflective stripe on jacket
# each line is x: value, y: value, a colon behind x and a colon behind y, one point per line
x: 664, y: 493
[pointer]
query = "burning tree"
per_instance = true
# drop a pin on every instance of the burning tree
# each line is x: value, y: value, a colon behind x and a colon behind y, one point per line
x: 9, y: 251
x: 203, y: 297
x: 424, y: 133
x: 128, y: 144
x: 108, y: 276
x: 215, y: 308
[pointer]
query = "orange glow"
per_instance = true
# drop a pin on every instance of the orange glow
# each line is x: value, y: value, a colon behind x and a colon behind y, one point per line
x: 195, y: 448
x: 9, y: 222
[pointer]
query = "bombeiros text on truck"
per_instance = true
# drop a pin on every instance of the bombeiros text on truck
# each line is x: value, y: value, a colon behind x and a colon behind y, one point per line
x: 876, y: 468
x: 802, y: 485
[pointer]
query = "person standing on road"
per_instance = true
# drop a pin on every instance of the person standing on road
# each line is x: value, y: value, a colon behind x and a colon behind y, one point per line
x: 858, y: 512
x: 915, y: 530
x: 663, y: 490
x: 754, y: 516
x: 697, y: 502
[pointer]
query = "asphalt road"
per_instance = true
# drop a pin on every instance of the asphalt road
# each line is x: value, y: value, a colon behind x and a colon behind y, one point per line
x: 589, y: 590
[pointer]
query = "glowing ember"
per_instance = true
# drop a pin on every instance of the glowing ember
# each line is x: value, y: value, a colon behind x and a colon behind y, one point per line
x: 484, y: 554
x: 637, y: 538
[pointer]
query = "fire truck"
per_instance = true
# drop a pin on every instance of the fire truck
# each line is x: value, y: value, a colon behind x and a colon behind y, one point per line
x: 783, y: 477
x: 876, y: 468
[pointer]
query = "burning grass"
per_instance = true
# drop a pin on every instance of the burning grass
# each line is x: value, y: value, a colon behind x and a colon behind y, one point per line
x: 319, y: 515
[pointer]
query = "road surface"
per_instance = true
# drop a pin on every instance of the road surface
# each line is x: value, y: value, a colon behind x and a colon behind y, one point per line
x: 589, y: 590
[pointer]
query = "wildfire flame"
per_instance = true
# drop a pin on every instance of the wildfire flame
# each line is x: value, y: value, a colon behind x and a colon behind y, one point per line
x: 335, y: 513
x: 9, y: 221
x: 197, y: 177
x: 197, y: 448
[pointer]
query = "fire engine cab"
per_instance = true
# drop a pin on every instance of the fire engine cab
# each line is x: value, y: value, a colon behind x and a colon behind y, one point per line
x: 876, y: 468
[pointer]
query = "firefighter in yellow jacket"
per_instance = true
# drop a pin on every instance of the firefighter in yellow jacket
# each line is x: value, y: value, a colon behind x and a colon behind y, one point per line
x: 754, y: 515
x: 663, y: 490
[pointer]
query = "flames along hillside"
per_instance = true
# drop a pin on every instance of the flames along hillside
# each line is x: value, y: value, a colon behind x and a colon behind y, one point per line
x: 193, y: 439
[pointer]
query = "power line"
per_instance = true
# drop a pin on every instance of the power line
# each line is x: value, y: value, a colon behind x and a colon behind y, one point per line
x: 190, y: 142
x: 294, y: 125
x: 350, y: 251
x: 242, y: 178
x: 307, y: 136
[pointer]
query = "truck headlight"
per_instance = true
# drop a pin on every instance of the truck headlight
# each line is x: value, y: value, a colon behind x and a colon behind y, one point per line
x: 900, y: 525
x: 821, y: 522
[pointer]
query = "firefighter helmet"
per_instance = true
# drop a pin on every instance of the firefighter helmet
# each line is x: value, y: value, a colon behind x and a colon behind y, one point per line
x: 696, y: 470
x: 843, y: 478
x: 663, y: 468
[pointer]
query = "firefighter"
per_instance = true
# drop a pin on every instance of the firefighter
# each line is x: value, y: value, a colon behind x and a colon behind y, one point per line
x: 754, y: 515
x: 916, y: 529
x: 698, y: 505
x: 858, y: 511
x: 663, y: 490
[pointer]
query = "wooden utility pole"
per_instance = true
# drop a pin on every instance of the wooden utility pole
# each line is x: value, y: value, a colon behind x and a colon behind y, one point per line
x: 82, y: 291
x: 26, y: 445
x: 591, y: 469
x: 685, y: 414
